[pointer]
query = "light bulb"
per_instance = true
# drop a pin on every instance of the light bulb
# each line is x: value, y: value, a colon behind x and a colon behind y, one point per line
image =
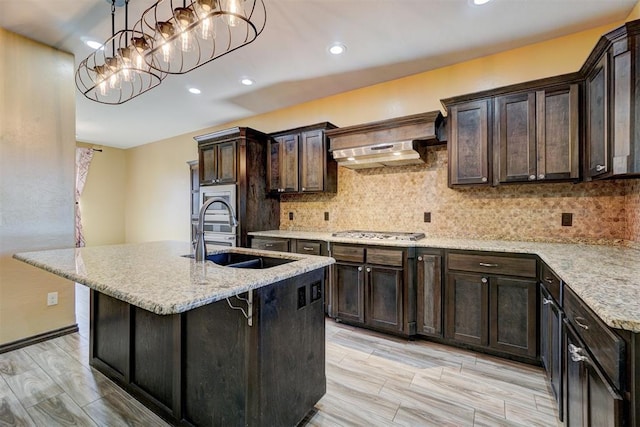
x: 233, y: 7
x: 165, y: 31
x: 114, y: 81
x: 166, y: 51
x: 207, y: 29
x: 104, y: 88
x: 139, y: 62
x: 204, y: 7
x: 186, y: 41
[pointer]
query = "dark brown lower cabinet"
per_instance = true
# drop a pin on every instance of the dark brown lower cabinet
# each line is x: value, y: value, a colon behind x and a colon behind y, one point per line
x: 494, y: 312
x: 591, y: 401
x: 429, y: 292
x: 370, y: 288
x: 550, y: 343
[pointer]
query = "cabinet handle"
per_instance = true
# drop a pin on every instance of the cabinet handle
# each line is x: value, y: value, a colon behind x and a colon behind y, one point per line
x: 303, y: 188
x: 582, y: 325
x: 548, y: 279
x: 307, y: 248
x: 484, y: 280
x: 575, y: 351
x: 600, y: 168
x: 484, y: 264
x: 268, y: 245
x: 546, y: 301
x: 419, y: 258
x: 368, y: 270
x: 359, y: 268
x: 541, y: 176
x: 484, y: 179
x: 532, y: 177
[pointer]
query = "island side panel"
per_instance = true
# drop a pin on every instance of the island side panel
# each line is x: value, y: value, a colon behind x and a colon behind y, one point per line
x: 214, y: 360
x: 110, y: 335
x: 288, y: 339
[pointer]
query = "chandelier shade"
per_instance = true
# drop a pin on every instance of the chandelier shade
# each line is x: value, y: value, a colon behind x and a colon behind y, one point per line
x: 184, y: 35
x: 118, y: 72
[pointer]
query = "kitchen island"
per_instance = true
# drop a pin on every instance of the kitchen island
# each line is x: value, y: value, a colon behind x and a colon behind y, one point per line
x: 201, y: 343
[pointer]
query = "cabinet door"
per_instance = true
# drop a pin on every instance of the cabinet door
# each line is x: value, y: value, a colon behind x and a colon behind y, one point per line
x: 597, y: 97
x: 550, y: 344
x: 349, y: 285
x: 467, y: 309
x: 513, y: 316
x: 576, y: 384
x: 226, y: 172
x: 429, y: 307
x: 469, y: 143
x: 195, y: 189
x: 384, y: 298
x: 516, y: 137
x: 208, y: 164
x: 274, y: 172
x: 557, y: 127
x: 312, y: 161
x: 289, y: 163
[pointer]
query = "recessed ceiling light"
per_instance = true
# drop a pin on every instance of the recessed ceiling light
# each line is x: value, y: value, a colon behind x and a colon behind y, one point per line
x: 480, y: 2
x: 94, y: 44
x: 195, y: 90
x: 337, y: 49
x: 247, y: 81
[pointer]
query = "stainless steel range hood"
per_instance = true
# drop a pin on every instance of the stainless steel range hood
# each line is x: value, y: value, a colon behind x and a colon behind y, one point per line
x: 394, y: 142
x: 379, y: 155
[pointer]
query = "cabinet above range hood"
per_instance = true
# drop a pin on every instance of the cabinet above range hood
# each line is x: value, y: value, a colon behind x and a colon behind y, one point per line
x: 393, y: 142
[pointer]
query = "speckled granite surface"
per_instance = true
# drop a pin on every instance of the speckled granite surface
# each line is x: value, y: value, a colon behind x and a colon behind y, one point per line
x: 154, y: 276
x: 607, y: 278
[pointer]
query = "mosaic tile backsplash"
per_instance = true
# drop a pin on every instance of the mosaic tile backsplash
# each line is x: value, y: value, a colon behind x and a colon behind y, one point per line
x: 396, y: 199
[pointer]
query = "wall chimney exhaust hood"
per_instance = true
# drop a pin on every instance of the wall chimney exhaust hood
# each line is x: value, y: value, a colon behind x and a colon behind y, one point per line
x: 393, y: 142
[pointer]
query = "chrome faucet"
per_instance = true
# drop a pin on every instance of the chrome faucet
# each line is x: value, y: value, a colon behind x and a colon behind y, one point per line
x: 201, y: 249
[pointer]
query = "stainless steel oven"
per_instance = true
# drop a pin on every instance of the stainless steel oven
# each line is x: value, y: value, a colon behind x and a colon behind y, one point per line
x: 217, y: 230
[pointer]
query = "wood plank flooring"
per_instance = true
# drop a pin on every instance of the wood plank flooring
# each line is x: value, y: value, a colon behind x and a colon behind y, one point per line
x: 372, y: 380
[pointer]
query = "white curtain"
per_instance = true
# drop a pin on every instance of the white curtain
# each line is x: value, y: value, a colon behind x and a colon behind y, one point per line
x: 83, y: 160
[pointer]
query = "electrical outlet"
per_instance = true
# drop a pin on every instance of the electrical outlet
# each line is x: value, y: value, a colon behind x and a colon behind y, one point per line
x: 52, y: 298
x: 290, y: 216
x: 567, y: 219
x: 316, y: 291
x: 326, y: 216
x: 302, y: 297
x: 427, y: 217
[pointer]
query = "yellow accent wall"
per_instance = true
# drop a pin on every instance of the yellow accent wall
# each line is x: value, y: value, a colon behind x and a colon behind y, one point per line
x: 37, y: 157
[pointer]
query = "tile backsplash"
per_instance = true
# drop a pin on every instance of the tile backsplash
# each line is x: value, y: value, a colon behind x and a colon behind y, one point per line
x: 395, y: 199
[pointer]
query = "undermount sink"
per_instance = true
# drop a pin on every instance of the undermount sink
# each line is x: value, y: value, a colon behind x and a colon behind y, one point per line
x: 236, y: 260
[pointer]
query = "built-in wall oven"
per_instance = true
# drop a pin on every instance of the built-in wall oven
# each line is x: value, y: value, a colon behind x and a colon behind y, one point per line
x: 217, y: 230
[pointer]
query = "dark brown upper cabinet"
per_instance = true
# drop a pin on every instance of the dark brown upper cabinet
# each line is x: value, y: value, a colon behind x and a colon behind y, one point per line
x: 529, y: 132
x: 217, y: 163
x: 299, y: 161
x: 468, y: 142
x: 537, y: 135
x: 612, y: 105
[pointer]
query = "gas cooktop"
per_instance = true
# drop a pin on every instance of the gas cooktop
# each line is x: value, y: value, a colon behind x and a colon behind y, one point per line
x: 377, y: 235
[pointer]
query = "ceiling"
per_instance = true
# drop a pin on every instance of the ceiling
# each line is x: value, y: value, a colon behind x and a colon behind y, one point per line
x: 289, y: 61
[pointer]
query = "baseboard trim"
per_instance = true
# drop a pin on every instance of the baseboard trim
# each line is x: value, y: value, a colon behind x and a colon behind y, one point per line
x: 38, y: 338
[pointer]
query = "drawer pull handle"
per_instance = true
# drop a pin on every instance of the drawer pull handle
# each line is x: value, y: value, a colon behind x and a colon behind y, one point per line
x: 307, y: 248
x: 268, y: 245
x: 576, y: 355
x: 582, y: 325
x: 485, y: 264
x: 548, y: 279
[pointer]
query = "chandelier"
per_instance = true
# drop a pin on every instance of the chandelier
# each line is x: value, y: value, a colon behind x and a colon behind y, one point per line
x: 171, y: 37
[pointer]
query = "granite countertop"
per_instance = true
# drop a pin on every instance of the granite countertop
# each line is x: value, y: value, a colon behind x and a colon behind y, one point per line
x: 154, y: 276
x: 606, y: 278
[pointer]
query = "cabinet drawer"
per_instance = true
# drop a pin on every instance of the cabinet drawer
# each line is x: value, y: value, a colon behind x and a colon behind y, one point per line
x: 307, y: 247
x: 392, y: 257
x: 492, y: 264
x: 551, y: 282
x: 347, y: 253
x: 270, y: 244
x: 606, y: 346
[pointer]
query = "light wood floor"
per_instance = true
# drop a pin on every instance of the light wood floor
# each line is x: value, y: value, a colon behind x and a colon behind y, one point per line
x: 372, y: 380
